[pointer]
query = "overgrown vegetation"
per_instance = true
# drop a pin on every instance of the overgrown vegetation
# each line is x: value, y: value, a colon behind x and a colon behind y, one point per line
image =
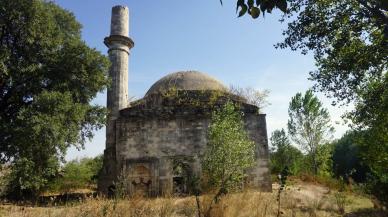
x: 338, y: 164
x: 309, y: 126
x: 229, y: 152
x: 283, y: 154
x: 282, y: 179
x: 48, y: 77
x: 77, y: 174
x: 298, y: 201
x: 349, y: 41
x: 347, y: 162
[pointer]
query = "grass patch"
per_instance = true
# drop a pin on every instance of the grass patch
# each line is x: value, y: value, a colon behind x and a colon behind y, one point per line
x: 305, y: 200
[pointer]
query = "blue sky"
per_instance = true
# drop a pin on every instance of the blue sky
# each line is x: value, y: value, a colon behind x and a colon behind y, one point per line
x: 200, y: 35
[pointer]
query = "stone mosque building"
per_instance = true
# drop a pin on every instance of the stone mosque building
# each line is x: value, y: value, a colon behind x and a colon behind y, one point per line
x: 154, y: 143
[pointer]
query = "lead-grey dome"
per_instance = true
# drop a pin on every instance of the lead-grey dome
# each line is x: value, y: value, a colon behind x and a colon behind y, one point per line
x: 186, y: 80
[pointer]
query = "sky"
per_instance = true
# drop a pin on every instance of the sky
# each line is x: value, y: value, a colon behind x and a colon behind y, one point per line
x: 179, y: 35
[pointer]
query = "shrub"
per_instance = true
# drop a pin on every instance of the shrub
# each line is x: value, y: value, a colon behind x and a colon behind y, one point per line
x: 346, y: 159
x: 283, y: 154
x: 4, y: 179
x: 377, y: 185
x: 340, y: 201
x: 80, y: 173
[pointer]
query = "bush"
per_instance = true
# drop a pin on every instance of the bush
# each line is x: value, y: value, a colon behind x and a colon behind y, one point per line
x: 283, y: 154
x: 27, y: 178
x: 4, y: 179
x: 340, y: 201
x: 346, y: 160
x: 377, y: 185
x: 80, y: 173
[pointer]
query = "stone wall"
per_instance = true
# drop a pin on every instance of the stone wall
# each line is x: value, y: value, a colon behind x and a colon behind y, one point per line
x: 151, y: 137
x: 260, y: 174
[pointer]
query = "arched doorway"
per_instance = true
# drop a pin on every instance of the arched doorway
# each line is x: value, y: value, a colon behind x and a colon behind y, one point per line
x: 182, y: 175
x: 141, y: 181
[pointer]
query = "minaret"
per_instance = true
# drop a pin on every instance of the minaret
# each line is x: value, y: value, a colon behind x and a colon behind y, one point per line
x: 119, y: 45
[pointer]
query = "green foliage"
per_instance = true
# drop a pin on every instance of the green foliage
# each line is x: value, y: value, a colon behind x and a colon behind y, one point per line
x: 341, y: 202
x: 30, y: 177
x: 229, y: 152
x: 309, y: 125
x: 324, y: 159
x: 4, y: 179
x: 76, y: 174
x: 48, y: 76
x: 377, y: 185
x: 120, y: 186
x: 346, y: 158
x: 371, y: 118
x: 200, y: 99
x: 349, y: 39
x: 283, y: 154
x: 257, y: 7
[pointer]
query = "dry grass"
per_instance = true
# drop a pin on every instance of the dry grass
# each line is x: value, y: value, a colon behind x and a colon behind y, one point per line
x: 297, y: 201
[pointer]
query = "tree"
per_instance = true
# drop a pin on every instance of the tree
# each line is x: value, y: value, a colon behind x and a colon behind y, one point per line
x: 75, y: 174
x: 255, y: 7
x: 229, y: 152
x: 349, y: 40
x: 48, y: 76
x: 350, y: 43
x: 324, y: 159
x: 251, y: 96
x: 283, y: 154
x: 309, y: 124
x: 347, y: 158
x: 371, y: 119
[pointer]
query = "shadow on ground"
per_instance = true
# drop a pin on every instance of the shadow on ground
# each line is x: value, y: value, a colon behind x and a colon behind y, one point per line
x: 50, y: 200
x: 367, y: 213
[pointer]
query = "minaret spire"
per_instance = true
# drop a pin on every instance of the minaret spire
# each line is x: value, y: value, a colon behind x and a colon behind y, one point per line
x: 119, y: 45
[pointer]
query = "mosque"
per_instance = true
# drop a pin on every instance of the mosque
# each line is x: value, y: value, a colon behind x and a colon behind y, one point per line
x: 153, y: 144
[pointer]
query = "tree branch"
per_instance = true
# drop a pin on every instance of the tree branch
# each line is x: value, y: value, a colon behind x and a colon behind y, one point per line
x: 377, y: 13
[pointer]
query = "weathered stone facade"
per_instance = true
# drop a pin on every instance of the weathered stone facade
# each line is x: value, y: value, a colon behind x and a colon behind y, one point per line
x: 146, y: 140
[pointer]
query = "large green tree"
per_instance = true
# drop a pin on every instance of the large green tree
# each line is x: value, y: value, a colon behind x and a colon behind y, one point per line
x: 48, y: 76
x: 283, y: 154
x: 346, y: 158
x: 349, y: 39
x: 371, y: 119
x: 309, y: 125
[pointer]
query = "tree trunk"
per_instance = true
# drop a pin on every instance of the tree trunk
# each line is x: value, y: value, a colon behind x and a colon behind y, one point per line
x: 198, y: 205
x: 315, y: 166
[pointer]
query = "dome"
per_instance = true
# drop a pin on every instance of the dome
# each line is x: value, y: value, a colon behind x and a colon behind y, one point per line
x: 186, y: 80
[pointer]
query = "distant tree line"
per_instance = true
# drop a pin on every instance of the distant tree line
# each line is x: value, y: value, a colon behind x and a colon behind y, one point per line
x: 349, y: 41
x: 313, y: 153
